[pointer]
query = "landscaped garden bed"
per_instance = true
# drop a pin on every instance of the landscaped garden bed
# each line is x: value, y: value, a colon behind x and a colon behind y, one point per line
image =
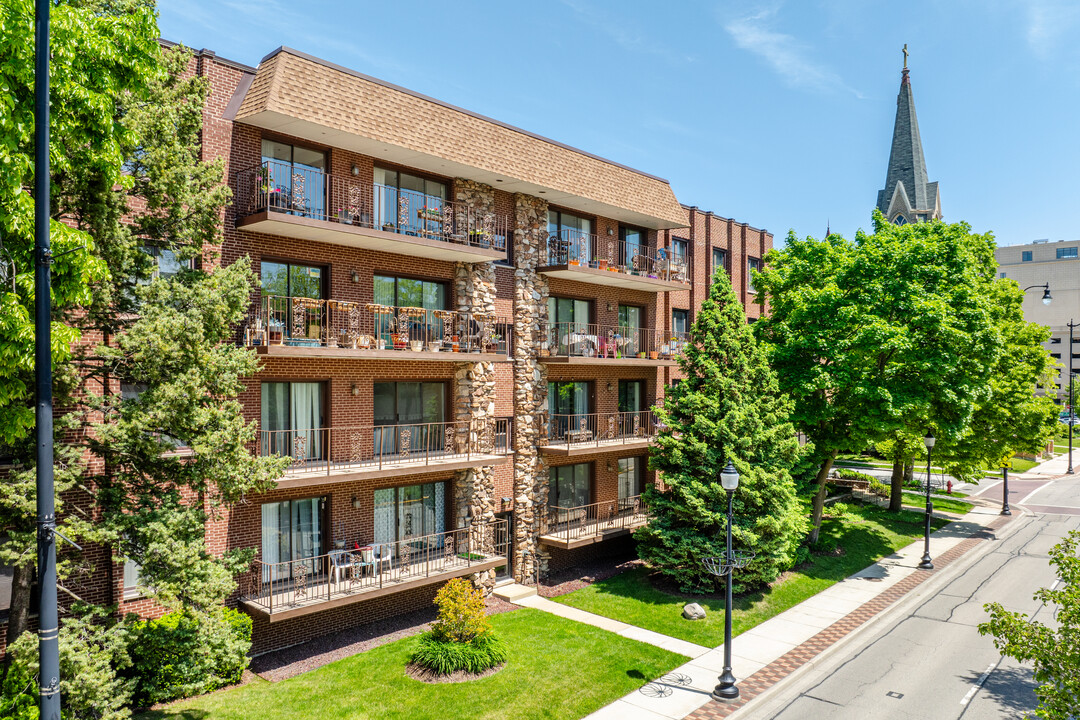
x: 863, y: 535
x: 541, y: 679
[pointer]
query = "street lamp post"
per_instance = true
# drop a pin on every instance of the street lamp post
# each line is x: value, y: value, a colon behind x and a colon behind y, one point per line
x: 927, y: 563
x: 1071, y: 399
x: 1005, y: 489
x: 726, y: 688
x: 1046, y: 298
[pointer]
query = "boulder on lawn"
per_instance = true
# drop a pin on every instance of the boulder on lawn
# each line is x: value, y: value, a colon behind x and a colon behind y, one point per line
x: 693, y: 611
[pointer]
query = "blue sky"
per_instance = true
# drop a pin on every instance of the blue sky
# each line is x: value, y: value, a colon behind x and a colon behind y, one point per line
x: 778, y: 114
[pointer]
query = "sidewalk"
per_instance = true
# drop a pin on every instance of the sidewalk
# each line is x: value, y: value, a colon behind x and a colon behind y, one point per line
x: 766, y: 654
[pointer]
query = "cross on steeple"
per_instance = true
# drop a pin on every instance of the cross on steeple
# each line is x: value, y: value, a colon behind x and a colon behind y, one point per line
x: 905, y: 56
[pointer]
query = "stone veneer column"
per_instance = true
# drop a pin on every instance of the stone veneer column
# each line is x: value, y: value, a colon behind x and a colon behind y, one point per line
x: 530, y: 381
x: 474, y: 287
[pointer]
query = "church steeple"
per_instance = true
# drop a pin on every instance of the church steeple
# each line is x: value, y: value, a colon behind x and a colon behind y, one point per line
x: 908, y: 196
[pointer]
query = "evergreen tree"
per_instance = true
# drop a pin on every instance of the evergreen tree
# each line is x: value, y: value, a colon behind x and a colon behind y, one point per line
x: 727, y: 406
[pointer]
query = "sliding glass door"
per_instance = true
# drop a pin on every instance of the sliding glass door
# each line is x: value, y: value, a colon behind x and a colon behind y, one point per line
x: 296, y: 178
x: 569, y: 402
x: 411, y: 511
x: 291, y: 531
x: 413, y: 409
x: 292, y: 419
x: 570, y: 486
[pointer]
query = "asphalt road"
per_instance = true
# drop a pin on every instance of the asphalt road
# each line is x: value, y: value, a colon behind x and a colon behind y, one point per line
x: 929, y: 661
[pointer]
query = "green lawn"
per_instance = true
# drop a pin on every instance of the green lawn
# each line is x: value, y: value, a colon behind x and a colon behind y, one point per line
x: 941, y: 502
x: 868, y: 534
x: 557, y: 669
x: 1021, y: 465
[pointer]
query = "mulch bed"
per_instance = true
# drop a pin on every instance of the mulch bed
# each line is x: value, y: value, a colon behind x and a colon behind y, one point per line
x: 583, y: 576
x: 290, y: 662
x: 423, y: 674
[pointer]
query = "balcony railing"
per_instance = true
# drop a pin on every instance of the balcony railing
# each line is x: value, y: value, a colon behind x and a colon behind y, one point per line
x: 601, y: 429
x: 277, y: 587
x: 591, y: 340
x: 307, y: 322
x: 386, y: 447
x: 586, y: 521
x: 576, y: 248
x: 281, y: 187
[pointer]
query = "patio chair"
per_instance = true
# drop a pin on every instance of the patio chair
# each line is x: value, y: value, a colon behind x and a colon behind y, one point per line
x: 340, y: 563
x: 384, y: 558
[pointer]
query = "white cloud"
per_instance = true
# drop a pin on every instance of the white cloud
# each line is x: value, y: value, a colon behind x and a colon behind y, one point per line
x: 629, y: 38
x: 1049, y: 22
x: 788, y: 58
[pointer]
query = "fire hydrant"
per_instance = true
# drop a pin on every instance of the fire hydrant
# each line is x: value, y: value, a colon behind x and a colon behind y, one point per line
x: 948, y: 487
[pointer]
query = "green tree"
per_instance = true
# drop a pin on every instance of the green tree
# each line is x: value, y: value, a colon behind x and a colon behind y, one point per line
x: 1053, y: 649
x: 727, y: 407
x: 101, y: 51
x: 887, y: 334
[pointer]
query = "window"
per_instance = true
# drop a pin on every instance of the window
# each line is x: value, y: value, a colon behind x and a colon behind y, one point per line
x: 1001, y: 275
x: 297, y: 176
x: 281, y: 282
x: 407, y: 292
x: 719, y: 260
x: 1055, y: 341
x: 680, y: 323
x: 569, y: 403
x: 414, y: 410
x: 569, y: 320
x: 900, y: 220
x: 575, y: 240
x: 570, y: 485
x: 131, y: 391
x: 1056, y: 356
x: 167, y: 264
x: 631, y: 320
x: 289, y: 280
x: 410, y: 511
x: 292, y: 419
x: 633, y: 248
x: 408, y: 203
x: 132, y: 580
x: 752, y: 264
x: 292, y: 530
x: 680, y: 259
x: 569, y: 311
x: 631, y: 396
x: 1025, y: 256
x: 1070, y: 252
x: 631, y: 477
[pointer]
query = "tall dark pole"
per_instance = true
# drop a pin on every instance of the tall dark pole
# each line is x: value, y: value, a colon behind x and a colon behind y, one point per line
x: 727, y: 690
x: 927, y: 563
x: 48, y: 622
x: 1071, y: 398
x: 1005, y: 491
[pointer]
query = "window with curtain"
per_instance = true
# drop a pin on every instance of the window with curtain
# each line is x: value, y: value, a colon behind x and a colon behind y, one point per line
x: 410, y: 511
x: 410, y: 408
x: 291, y: 530
x: 680, y: 322
x: 719, y: 260
x: 132, y: 587
x: 408, y: 203
x: 634, y: 242
x: 568, y: 317
x: 297, y: 174
x: 680, y: 251
x: 570, y: 486
x: 575, y: 237
x: 631, y: 321
x: 568, y: 402
x: 631, y: 477
x: 292, y: 418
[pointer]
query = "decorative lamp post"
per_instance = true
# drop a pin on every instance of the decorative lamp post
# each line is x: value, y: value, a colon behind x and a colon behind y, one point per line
x: 718, y: 566
x: 1046, y: 298
x: 1005, y: 488
x: 927, y: 563
x: 1071, y: 404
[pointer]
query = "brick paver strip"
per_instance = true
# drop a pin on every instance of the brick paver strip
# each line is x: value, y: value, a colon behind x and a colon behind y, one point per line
x: 790, y: 661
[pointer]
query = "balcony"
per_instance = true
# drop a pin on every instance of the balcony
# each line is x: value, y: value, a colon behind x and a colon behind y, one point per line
x: 282, y: 590
x: 291, y: 201
x: 590, y: 258
x: 305, y: 327
x: 339, y: 454
x: 569, y: 528
x: 584, y: 434
x: 593, y: 344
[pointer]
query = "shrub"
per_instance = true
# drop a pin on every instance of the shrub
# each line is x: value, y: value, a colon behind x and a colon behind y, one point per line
x: 849, y: 474
x: 461, y: 612
x: 18, y: 692
x: 444, y: 657
x: 188, y: 653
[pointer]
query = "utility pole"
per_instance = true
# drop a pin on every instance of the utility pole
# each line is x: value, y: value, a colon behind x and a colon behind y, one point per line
x: 1071, y: 397
x: 48, y: 620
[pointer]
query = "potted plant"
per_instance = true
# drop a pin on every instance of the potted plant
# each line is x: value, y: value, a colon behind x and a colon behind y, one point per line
x: 434, y: 346
x: 601, y: 263
x: 399, y: 340
x: 665, y: 350
x: 641, y: 355
x: 381, y: 343
x: 574, y: 261
x: 388, y: 227
x: 653, y: 354
x: 344, y: 216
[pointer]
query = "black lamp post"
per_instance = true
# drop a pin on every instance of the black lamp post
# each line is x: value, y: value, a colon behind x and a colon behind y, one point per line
x: 1071, y: 404
x: 927, y: 563
x: 726, y: 689
x: 1046, y: 298
x: 1005, y: 489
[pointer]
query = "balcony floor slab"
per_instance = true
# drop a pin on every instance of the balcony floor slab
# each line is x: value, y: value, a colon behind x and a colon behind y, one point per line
x: 341, y: 353
x: 596, y: 276
x: 350, y: 472
x: 592, y: 447
x: 592, y: 532
x: 640, y: 362
x: 305, y: 228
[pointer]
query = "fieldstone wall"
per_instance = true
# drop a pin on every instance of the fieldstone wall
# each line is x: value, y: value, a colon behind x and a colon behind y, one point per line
x: 474, y: 403
x: 530, y: 382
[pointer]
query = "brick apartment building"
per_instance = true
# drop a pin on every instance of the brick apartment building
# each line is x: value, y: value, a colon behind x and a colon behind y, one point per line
x: 462, y: 327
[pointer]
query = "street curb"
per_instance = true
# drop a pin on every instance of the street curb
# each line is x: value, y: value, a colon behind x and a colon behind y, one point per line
x: 916, y: 595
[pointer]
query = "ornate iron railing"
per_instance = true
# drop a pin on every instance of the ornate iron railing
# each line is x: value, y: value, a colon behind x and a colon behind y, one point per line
x: 375, y: 447
x: 296, y: 321
x: 576, y: 248
x: 590, y: 520
x: 282, y: 187
x: 601, y: 429
x: 613, y: 341
x: 280, y: 586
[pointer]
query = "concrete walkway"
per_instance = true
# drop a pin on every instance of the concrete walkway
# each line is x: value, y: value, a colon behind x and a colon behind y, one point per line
x: 769, y: 652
